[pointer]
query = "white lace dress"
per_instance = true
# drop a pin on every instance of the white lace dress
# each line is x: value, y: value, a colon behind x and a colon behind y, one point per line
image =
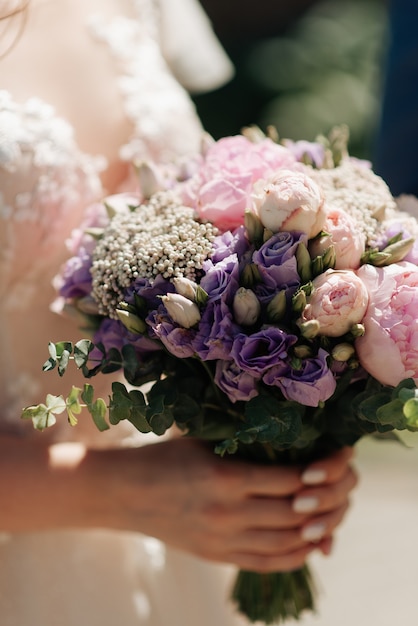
x: 95, y: 578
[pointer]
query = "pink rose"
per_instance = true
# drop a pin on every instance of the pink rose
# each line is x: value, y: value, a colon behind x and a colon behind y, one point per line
x: 344, y: 234
x: 221, y: 189
x: 389, y: 348
x: 290, y: 201
x: 338, y: 300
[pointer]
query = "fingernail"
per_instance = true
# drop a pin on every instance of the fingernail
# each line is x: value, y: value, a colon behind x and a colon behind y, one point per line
x: 305, y: 504
x: 313, y: 533
x: 313, y: 476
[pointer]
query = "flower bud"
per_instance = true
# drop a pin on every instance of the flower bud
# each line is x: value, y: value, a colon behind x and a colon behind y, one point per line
x: 299, y: 301
x: 253, y: 133
x: 309, y: 329
x: 250, y: 275
x: 182, y: 310
x: 329, y: 258
x: 190, y: 290
x: 131, y: 321
x: 342, y: 352
x: 398, y: 250
x: 149, y: 179
x: 357, y: 330
x: 317, y: 266
x: 276, y: 308
x: 302, y: 351
x: 255, y: 228
x: 303, y: 263
x: 246, y: 307
x: 185, y: 287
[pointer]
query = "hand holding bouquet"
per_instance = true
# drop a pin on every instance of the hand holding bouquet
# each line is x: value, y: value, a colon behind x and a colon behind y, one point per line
x: 267, y: 292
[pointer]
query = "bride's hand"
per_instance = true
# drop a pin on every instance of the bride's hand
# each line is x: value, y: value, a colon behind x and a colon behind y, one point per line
x: 261, y: 518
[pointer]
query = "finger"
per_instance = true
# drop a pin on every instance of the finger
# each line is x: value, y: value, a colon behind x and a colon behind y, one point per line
x: 328, y: 469
x: 326, y: 498
x: 264, y: 542
x: 272, y: 562
x: 324, y: 525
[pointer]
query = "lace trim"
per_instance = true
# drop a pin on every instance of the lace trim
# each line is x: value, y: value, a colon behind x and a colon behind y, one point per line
x: 153, y: 99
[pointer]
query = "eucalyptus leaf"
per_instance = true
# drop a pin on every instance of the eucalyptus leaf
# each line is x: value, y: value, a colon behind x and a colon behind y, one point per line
x: 159, y: 416
x: 87, y: 394
x: 229, y: 446
x: 64, y: 359
x: 392, y: 414
x: 82, y: 350
x: 120, y: 404
x: 55, y: 404
x: 98, y: 412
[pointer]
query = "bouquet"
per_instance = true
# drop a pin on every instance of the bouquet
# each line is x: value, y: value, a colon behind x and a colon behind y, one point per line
x: 267, y: 292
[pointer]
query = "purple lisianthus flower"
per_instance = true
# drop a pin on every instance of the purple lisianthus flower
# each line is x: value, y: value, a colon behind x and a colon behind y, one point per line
x: 216, y: 332
x: 229, y: 243
x: 113, y: 334
x: 236, y: 384
x: 258, y: 352
x: 307, y: 151
x: 276, y: 257
x: 149, y: 291
x: 221, y: 279
x: 311, y: 384
x: 177, y: 340
x: 75, y: 279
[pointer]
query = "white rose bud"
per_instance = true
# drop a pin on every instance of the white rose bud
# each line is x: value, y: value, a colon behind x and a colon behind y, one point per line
x: 182, y: 310
x: 246, y: 307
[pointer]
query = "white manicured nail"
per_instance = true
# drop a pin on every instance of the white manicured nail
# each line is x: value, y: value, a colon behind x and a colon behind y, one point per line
x: 313, y: 476
x: 313, y: 533
x: 305, y: 504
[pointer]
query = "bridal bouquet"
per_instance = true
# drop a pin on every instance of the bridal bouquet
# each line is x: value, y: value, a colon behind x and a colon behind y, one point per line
x: 268, y: 293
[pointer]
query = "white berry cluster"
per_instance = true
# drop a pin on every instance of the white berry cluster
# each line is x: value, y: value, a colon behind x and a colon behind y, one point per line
x: 161, y: 237
x: 356, y: 189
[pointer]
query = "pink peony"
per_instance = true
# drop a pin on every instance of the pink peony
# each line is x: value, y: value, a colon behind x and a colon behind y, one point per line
x: 389, y: 348
x: 290, y: 201
x: 221, y: 189
x: 339, y: 299
x: 344, y: 234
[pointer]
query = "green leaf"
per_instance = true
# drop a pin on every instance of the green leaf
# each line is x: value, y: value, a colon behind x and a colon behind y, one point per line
x: 367, y: 406
x: 40, y: 415
x: 82, y: 350
x: 55, y: 404
x: 64, y: 359
x: 52, y: 361
x: 120, y: 403
x: 229, y: 446
x: 392, y: 414
x: 98, y: 412
x: 275, y: 421
x: 159, y: 416
x: 73, y: 405
x: 87, y: 394
x: 112, y: 361
x: 137, y: 415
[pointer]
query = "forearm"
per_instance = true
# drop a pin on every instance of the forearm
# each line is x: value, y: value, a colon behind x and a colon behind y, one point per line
x: 41, y: 486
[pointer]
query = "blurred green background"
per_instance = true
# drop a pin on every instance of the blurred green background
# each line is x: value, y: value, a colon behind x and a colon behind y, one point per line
x: 302, y: 66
